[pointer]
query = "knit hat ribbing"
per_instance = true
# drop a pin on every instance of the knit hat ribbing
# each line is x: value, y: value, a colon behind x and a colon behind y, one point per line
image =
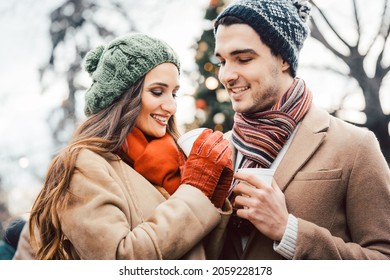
x: 117, y: 66
x: 281, y: 24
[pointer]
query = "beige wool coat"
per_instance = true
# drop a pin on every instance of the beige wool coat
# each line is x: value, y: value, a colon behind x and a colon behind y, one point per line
x: 337, y: 183
x: 115, y: 213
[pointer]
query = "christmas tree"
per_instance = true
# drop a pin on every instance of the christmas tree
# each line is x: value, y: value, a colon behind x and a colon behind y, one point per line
x: 212, y: 101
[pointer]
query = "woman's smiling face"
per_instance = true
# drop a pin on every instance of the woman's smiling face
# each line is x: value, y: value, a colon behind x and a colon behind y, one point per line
x: 158, y: 99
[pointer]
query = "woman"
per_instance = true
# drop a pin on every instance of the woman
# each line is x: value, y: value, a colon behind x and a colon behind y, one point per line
x: 116, y: 191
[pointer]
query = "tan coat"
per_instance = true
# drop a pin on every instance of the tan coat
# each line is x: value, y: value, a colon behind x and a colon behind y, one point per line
x: 115, y: 213
x: 337, y: 183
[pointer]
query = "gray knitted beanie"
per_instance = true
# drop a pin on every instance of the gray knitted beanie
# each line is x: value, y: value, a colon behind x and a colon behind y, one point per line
x: 281, y: 24
x: 120, y: 64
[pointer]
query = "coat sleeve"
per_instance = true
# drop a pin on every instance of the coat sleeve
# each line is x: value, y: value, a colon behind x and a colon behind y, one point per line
x: 215, y: 240
x: 24, y: 250
x: 97, y: 220
x: 367, y: 210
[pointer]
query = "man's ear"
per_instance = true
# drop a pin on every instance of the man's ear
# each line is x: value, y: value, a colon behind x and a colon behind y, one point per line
x: 285, y: 65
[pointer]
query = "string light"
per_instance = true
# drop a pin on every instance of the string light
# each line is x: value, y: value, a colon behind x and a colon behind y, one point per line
x: 24, y: 162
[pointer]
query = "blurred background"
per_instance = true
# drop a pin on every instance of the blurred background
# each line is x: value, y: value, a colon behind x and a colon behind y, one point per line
x: 345, y: 63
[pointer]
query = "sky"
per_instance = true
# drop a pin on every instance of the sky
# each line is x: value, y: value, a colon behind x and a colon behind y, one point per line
x: 25, y: 140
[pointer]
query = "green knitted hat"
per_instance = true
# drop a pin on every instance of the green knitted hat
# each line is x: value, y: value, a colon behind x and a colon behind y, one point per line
x: 120, y: 64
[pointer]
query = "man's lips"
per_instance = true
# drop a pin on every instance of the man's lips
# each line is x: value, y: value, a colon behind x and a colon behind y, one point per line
x: 238, y: 89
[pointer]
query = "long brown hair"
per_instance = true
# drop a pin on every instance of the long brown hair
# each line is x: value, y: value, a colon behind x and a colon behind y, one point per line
x: 102, y: 132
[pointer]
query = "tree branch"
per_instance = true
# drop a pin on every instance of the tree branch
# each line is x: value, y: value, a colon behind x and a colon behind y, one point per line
x: 359, y: 29
x: 384, y: 30
x: 316, y: 33
x: 380, y: 30
x: 387, y: 69
x: 331, y: 26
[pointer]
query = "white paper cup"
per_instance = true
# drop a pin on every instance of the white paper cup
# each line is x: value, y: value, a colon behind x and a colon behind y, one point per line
x: 264, y: 174
x: 187, y: 139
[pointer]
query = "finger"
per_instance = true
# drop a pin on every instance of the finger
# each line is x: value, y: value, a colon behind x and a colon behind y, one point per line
x: 251, y: 179
x: 245, y: 189
x: 224, y: 151
x: 199, y: 142
x: 212, y: 142
x: 243, y: 213
x: 225, y: 143
x: 242, y: 201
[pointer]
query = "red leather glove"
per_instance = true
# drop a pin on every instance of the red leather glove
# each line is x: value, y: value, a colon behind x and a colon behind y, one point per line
x: 208, y: 157
x: 222, y: 190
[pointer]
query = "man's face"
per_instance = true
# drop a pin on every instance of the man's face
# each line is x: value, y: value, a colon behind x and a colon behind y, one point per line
x: 254, y: 78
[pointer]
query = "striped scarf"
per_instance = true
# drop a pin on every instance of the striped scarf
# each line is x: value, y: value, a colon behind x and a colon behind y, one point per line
x: 261, y: 136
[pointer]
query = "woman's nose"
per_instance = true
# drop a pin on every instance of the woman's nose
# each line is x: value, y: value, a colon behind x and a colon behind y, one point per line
x: 169, y: 105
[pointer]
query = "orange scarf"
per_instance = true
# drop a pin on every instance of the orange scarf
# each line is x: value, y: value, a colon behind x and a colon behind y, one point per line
x: 157, y: 160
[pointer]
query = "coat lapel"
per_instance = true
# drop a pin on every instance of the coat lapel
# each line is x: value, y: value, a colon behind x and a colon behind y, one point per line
x: 311, y: 133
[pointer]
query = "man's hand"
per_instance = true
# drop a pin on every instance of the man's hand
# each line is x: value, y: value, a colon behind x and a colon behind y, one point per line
x: 264, y: 206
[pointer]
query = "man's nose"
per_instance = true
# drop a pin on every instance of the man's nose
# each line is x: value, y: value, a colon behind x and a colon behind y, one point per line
x: 227, y: 74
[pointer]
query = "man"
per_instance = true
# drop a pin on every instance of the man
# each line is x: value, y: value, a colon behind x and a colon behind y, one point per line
x: 11, y: 238
x: 330, y: 198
